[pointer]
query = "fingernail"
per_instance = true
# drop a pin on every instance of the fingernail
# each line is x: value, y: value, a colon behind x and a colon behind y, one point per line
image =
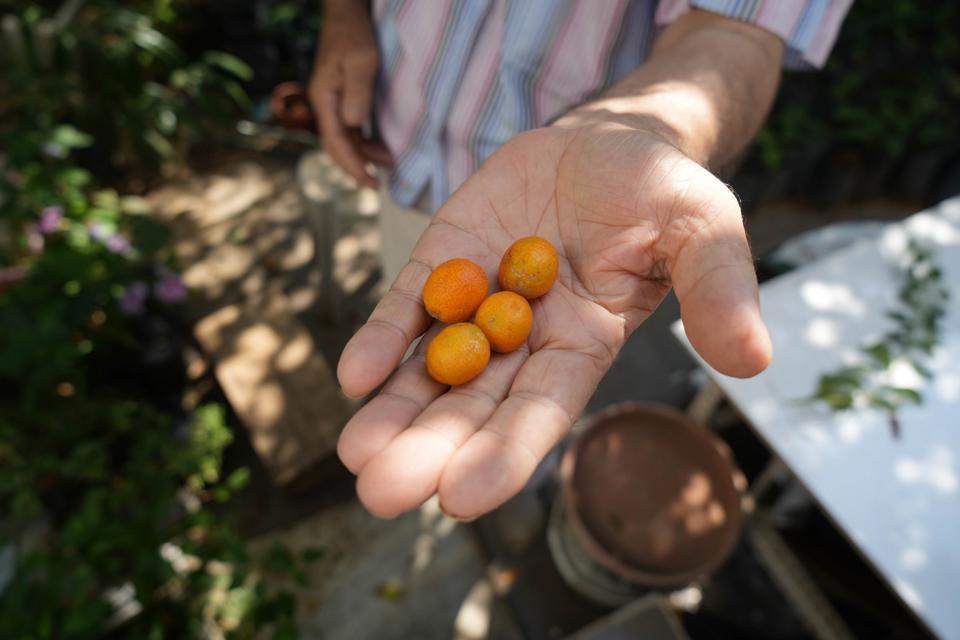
x: 351, y: 396
x: 460, y: 519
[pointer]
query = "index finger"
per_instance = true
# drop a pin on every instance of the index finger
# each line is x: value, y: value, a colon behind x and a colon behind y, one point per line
x: 336, y: 139
x: 551, y: 389
x: 377, y: 348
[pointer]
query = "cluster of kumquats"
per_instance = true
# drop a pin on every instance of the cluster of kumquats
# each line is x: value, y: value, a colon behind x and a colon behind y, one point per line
x: 457, y: 290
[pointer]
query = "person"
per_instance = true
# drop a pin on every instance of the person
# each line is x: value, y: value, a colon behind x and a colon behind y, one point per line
x: 592, y: 124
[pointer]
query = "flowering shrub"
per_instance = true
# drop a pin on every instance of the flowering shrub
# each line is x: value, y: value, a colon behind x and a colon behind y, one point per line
x: 107, y: 482
x: 86, y: 266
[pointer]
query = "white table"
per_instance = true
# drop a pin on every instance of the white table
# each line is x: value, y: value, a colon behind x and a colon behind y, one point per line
x: 897, y: 500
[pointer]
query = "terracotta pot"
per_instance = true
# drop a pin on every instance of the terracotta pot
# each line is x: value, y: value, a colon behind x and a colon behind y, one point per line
x: 291, y: 106
x: 649, y: 499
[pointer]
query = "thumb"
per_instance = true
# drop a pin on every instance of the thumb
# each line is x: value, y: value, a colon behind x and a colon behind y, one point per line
x: 715, y: 281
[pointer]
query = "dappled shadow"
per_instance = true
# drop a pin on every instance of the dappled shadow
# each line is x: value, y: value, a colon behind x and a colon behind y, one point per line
x: 246, y: 247
x: 937, y: 469
x: 391, y: 580
x: 685, y: 518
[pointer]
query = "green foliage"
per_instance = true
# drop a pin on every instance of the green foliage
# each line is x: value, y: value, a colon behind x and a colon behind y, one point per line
x: 67, y: 311
x: 111, y: 70
x: 891, y: 84
x: 98, y: 477
x: 116, y: 501
x: 916, y: 331
x: 111, y: 483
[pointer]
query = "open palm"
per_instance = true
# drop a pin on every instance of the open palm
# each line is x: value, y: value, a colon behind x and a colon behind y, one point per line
x: 631, y: 217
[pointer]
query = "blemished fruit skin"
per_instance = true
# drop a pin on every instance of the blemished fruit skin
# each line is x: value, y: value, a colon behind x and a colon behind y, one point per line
x: 454, y: 290
x: 529, y: 267
x: 506, y: 320
x: 458, y: 354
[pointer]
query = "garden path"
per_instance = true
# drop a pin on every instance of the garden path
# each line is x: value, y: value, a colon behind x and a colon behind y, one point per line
x: 247, y: 253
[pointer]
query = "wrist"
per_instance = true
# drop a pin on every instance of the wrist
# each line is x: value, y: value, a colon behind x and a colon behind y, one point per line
x: 676, y: 112
x: 706, y: 87
x: 340, y: 10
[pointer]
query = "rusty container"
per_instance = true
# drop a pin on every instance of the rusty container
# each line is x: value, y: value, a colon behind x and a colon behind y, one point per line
x: 648, y: 500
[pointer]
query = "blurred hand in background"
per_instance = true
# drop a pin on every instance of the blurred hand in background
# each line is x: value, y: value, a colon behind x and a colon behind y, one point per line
x: 342, y: 87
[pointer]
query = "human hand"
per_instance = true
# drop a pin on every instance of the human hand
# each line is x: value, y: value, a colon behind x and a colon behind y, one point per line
x: 630, y: 216
x: 341, y: 88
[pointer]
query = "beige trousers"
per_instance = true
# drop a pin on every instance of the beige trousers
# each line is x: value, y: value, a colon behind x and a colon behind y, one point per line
x: 400, y: 228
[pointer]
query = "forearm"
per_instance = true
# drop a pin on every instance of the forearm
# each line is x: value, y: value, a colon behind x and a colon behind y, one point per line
x: 707, y: 87
x: 338, y: 9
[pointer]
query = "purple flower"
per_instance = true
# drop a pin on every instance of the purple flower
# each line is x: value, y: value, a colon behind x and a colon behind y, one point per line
x: 115, y: 242
x: 170, y: 289
x: 118, y: 244
x: 35, y: 242
x: 134, y: 298
x: 50, y: 218
x: 54, y: 150
x: 98, y: 231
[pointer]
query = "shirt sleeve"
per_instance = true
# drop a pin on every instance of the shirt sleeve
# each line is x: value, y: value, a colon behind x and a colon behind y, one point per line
x: 808, y: 27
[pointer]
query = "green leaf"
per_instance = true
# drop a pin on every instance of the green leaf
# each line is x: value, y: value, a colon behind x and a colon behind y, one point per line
x: 229, y: 63
x: 918, y: 331
x: 236, y: 93
x: 158, y: 143
x: 286, y: 631
x: 74, y: 177
x: 148, y: 235
x: 238, y: 479
x: 179, y: 79
x: 70, y: 137
x: 846, y: 378
x: 389, y: 589
x: 311, y: 554
x: 839, y: 401
x: 910, y: 395
x: 151, y: 40
x: 879, y: 352
x: 166, y: 121
x: 282, y: 12
x: 922, y: 370
x: 878, y: 401
x: 279, y: 559
x: 239, y: 602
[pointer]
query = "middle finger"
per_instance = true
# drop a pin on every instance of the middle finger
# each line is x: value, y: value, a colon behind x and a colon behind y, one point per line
x: 406, y: 394
x: 406, y: 472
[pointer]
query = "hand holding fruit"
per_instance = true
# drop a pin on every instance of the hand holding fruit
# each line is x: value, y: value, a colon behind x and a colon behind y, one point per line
x: 456, y: 289
x: 629, y: 217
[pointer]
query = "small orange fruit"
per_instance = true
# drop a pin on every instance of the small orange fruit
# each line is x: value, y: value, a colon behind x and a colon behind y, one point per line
x: 506, y: 319
x: 454, y: 290
x: 529, y: 267
x: 458, y: 354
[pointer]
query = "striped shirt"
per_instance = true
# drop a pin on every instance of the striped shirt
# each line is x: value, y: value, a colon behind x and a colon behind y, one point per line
x: 460, y: 77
